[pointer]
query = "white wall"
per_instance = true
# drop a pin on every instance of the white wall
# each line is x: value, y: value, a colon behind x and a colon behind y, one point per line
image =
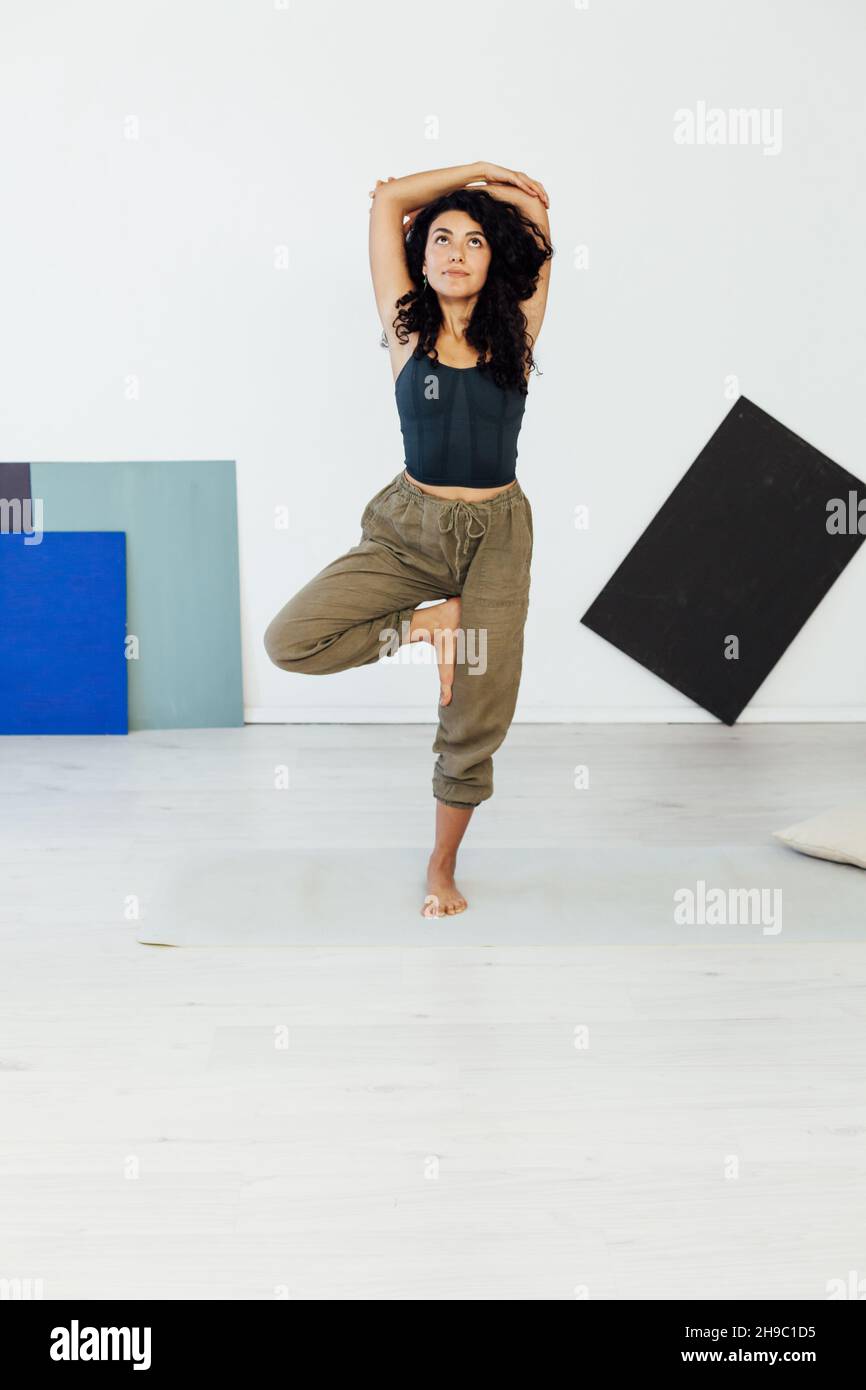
x: 261, y: 126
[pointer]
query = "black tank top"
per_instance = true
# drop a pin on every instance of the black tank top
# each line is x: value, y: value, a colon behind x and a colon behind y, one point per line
x: 459, y: 428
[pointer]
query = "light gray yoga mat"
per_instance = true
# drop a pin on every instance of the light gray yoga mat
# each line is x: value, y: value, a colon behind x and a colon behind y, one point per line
x: 517, y: 897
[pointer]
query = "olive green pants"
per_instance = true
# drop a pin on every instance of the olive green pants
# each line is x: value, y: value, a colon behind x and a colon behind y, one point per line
x: 416, y: 548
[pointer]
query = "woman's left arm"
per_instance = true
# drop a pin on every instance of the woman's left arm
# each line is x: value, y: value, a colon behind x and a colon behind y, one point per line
x: 534, y: 207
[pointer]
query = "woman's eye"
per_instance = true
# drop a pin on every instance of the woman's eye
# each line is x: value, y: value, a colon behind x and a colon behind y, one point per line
x: 441, y: 236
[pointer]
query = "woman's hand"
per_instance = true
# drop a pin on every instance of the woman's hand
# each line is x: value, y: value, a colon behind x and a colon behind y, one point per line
x: 494, y: 173
x: 379, y: 182
x: 409, y: 216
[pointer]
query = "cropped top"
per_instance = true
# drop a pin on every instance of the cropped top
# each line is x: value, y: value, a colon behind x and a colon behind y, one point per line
x: 459, y: 428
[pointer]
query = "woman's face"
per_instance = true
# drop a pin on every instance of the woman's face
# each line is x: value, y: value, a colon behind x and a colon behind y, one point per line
x: 457, y: 255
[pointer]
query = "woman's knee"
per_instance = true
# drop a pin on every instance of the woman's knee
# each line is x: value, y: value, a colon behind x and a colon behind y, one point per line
x: 283, y: 645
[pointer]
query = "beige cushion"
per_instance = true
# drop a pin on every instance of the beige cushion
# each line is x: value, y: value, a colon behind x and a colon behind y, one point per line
x: 839, y: 834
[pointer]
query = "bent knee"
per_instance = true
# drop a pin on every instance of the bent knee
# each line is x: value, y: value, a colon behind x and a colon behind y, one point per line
x: 283, y: 645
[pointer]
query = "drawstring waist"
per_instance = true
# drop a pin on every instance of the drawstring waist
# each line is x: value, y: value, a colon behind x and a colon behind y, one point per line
x: 467, y: 520
x: 448, y: 522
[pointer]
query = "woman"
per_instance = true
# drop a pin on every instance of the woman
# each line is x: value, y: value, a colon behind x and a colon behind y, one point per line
x: 461, y: 277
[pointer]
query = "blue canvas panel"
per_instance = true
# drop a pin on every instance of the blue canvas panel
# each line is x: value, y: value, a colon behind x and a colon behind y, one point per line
x: 62, y: 663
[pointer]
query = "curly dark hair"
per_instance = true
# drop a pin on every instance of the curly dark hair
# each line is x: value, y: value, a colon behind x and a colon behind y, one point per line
x: 498, y: 325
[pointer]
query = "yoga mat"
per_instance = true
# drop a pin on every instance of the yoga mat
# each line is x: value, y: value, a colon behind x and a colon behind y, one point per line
x: 183, y: 598
x: 63, y: 606
x: 371, y: 897
x: 517, y: 897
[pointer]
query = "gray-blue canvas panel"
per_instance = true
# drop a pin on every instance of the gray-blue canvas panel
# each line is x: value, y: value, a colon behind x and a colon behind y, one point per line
x: 183, y: 597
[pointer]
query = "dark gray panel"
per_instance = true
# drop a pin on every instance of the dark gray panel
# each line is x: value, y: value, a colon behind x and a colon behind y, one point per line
x: 740, y: 548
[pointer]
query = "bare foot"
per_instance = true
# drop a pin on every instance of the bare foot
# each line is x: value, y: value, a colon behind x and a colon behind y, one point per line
x: 439, y: 624
x: 444, y: 898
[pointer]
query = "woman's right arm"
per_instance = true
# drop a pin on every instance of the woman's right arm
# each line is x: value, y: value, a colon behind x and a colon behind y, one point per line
x: 391, y: 201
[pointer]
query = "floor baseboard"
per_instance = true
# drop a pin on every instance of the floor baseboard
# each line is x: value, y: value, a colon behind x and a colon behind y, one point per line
x: 558, y: 714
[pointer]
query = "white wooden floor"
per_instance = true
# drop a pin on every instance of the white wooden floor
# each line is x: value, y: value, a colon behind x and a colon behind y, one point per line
x: 463, y: 1122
